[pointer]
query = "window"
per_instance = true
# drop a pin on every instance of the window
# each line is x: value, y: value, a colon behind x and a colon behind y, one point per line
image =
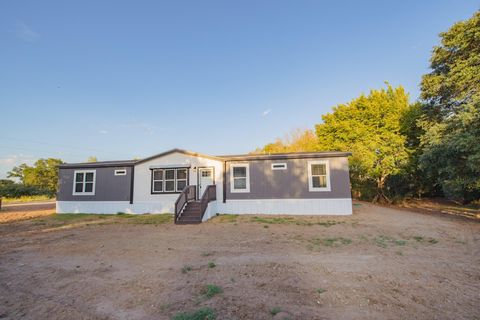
x: 84, y: 182
x: 181, y: 179
x: 121, y: 172
x: 279, y: 166
x: 318, y: 176
x: 169, y: 180
x: 239, y: 178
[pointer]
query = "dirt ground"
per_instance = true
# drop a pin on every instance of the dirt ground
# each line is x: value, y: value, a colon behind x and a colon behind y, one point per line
x: 380, y: 263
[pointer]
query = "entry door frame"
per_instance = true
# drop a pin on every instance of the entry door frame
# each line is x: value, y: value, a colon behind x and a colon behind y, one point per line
x: 212, y: 168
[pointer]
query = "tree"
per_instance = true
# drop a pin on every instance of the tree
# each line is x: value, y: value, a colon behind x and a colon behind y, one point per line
x: 451, y: 120
x: 369, y: 127
x: 17, y: 172
x: 297, y: 141
x: 43, y: 174
x: 92, y: 159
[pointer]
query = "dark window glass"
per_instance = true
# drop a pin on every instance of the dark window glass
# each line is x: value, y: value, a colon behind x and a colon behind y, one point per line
x: 79, y: 187
x: 240, y: 183
x: 89, y: 176
x: 181, y: 184
x: 158, y: 186
x: 319, y: 169
x: 239, y: 171
x: 182, y: 174
x: 170, y: 186
x: 158, y: 175
x: 79, y: 177
x: 169, y: 174
x: 206, y: 173
x: 88, y: 187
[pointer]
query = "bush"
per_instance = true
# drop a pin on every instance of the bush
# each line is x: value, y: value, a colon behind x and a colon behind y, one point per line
x: 17, y: 190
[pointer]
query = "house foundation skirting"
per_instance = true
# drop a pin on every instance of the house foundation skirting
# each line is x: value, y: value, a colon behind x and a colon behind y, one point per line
x: 263, y: 206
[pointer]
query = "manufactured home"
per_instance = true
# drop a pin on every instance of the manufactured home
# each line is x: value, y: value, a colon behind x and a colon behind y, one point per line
x: 195, y: 186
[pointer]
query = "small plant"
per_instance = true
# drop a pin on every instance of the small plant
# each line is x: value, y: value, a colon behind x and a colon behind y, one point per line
x: 400, y: 242
x: 275, y: 310
x: 433, y: 241
x: 418, y: 238
x: 320, y: 290
x: 211, y: 265
x: 200, y: 314
x: 186, y: 269
x: 211, y: 290
x: 265, y: 226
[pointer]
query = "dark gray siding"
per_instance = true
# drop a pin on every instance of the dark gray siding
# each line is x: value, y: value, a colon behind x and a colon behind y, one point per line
x: 108, y: 186
x: 292, y: 183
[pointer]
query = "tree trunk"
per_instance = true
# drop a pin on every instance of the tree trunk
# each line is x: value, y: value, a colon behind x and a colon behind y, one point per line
x: 380, y: 196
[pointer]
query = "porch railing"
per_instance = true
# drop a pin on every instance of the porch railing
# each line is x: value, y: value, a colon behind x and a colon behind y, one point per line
x: 186, y: 196
x: 210, y: 194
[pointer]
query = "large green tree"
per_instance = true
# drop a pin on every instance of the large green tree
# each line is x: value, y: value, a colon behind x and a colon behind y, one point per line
x: 43, y: 174
x: 451, y: 121
x: 370, y: 127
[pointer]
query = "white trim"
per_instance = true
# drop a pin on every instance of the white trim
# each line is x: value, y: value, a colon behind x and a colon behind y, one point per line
x: 83, y: 182
x: 311, y: 188
x: 279, y: 166
x: 121, y: 172
x: 165, y: 204
x: 247, y: 183
x: 341, y: 206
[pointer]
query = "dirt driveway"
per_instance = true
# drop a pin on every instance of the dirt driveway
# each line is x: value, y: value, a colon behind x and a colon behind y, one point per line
x: 380, y: 263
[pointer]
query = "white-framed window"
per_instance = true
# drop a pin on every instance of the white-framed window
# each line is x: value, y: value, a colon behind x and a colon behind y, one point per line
x: 121, y: 172
x: 171, y: 180
x: 318, y: 175
x: 84, y: 182
x: 279, y: 166
x: 239, y: 177
x: 157, y: 181
x: 181, y: 179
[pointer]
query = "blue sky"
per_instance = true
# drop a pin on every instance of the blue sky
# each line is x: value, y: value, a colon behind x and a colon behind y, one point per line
x: 125, y: 79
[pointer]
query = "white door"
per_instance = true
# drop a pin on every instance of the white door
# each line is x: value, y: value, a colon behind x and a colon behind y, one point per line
x: 205, y: 179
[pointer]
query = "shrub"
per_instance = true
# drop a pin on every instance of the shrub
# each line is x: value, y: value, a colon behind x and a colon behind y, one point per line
x: 200, y: 314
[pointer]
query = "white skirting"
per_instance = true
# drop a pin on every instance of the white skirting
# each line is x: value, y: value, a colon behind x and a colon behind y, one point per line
x: 288, y: 206
x: 264, y: 206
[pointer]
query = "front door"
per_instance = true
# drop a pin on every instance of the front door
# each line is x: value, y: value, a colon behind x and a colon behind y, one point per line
x: 205, y: 178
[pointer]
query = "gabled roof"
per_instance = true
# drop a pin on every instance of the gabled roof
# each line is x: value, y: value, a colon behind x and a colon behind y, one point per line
x: 238, y: 157
x: 99, y: 164
x: 190, y: 153
x: 290, y: 155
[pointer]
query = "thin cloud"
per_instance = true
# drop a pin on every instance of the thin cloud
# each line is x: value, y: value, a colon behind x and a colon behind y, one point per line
x: 266, y: 112
x: 26, y: 33
x: 103, y: 131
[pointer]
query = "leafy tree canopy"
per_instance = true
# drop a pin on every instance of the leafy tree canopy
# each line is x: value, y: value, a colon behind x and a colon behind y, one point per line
x: 43, y: 174
x: 369, y: 127
x: 451, y: 121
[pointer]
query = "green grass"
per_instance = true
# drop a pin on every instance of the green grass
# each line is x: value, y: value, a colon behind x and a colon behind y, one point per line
x: 211, y: 290
x: 423, y: 239
x: 66, y: 219
x: 293, y: 220
x: 329, y: 242
x: 385, y: 241
x: 200, y: 314
x: 186, y: 269
x: 320, y: 290
x: 211, y: 265
x: 26, y: 199
x: 275, y: 310
x: 232, y: 218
